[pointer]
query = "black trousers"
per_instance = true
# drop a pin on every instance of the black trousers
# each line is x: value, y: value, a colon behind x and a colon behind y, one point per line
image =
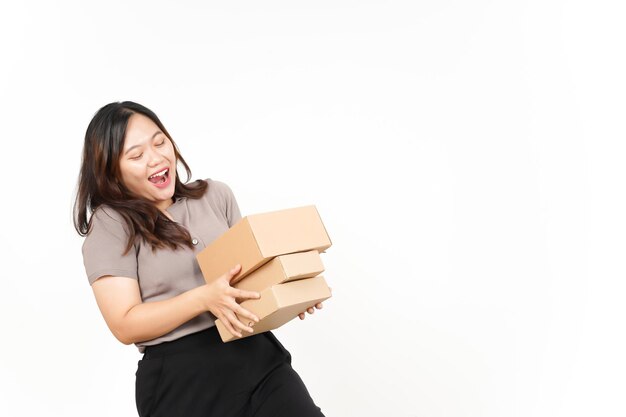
x: 199, y: 375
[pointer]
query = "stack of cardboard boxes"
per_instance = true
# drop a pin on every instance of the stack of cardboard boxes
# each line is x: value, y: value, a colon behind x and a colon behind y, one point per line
x: 279, y: 257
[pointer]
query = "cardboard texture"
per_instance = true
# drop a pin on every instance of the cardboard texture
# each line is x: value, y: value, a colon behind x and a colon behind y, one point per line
x: 281, y: 269
x: 279, y: 304
x: 258, y: 238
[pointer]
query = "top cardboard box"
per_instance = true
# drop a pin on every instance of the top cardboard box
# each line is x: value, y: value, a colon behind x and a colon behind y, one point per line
x: 258, y: 238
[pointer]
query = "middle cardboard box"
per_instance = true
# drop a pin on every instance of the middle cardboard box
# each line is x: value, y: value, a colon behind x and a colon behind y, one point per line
x: 281, y: 269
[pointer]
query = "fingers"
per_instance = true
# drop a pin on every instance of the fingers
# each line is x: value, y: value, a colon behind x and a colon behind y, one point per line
x: 226, y: 322
x: 235, y: 320
x: 310, y: 310
x: 237, y: 325
x: 243, y: 313
x: 243, y: 320
x: 232, y: 273
x: 244, y: 294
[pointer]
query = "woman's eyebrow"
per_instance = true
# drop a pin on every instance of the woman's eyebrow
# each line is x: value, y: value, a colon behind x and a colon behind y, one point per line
x: 140, y: 144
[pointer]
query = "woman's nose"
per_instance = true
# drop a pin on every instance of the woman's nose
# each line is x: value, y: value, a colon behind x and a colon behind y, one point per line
x: 155, y: 158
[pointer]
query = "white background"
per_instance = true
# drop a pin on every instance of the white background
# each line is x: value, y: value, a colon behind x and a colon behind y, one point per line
x: 466, y: 158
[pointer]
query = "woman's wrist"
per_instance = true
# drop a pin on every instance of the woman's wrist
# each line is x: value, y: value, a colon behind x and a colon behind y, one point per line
x: 198, y: 299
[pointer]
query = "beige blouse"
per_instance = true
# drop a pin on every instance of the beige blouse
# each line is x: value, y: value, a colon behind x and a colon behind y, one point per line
x: 164, y: 273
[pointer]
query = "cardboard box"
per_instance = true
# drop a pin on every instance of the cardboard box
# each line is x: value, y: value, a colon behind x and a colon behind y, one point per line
x: 279, y: 304
x: 258, y: 238
x: 281, y: 269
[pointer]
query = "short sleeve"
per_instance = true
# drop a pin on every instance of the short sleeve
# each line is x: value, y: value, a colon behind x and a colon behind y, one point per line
x: 104, y: 246
x: 230, y: 206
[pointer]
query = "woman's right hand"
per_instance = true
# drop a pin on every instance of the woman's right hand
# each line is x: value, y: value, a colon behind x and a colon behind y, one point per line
x: 220, y: 299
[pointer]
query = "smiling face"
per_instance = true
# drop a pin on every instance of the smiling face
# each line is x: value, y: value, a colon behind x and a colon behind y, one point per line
x: 148, y: 161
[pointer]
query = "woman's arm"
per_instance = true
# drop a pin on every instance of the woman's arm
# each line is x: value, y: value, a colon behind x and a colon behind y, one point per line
x: 131, y: 320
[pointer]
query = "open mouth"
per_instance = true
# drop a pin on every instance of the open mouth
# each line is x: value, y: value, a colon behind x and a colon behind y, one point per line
x: 160, y: 177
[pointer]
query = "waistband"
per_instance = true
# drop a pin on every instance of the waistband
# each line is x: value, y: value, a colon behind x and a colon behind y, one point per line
x: 201, y: 339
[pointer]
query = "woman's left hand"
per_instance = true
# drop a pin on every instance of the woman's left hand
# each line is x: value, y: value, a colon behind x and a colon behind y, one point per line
x: 310, y: 310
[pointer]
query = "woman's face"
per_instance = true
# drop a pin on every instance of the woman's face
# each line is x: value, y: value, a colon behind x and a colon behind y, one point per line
x: 148, y: 163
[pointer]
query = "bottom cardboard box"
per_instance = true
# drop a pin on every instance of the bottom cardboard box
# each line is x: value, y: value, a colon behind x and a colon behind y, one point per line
x: 279, y: 304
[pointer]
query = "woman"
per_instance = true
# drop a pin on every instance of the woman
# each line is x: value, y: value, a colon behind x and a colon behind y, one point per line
x: 143, y: 229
